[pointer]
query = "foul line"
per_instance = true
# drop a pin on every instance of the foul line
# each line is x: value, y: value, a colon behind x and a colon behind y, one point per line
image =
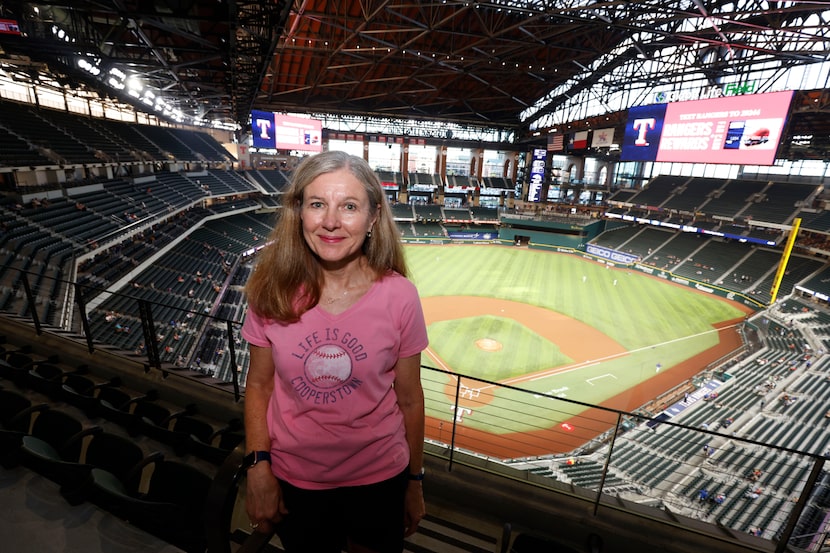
x: 591, y: 362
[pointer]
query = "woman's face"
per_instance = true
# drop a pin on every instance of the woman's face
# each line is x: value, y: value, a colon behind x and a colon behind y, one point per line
x: 336, y: 216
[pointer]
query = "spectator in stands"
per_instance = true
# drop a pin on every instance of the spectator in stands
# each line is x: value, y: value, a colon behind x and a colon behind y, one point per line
x: 753, y: 494
x: 334, y: 397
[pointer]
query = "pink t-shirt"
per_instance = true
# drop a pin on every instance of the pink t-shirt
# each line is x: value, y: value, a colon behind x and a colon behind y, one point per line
x: 333, y: 417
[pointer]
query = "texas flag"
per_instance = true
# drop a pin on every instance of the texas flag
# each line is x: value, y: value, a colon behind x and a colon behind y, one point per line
x: 579, y: 140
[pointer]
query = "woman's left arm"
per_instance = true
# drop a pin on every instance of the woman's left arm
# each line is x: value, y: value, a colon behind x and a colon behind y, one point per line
x: 411, y: 402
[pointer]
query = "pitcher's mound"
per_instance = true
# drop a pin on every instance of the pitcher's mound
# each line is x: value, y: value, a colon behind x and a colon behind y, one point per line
x: 488, y: 344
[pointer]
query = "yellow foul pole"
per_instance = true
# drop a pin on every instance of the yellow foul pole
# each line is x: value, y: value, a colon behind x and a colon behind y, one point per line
x: 785, y: 258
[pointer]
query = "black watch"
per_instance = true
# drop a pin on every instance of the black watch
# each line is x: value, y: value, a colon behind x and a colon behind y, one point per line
x: 255, y: 457
x: 417, y: 476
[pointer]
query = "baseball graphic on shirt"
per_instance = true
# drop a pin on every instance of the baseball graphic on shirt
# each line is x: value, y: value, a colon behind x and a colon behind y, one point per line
x: 328, y: 366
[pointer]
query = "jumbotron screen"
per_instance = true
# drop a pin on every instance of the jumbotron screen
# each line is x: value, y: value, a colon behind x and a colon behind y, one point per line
x: 283, y: 132
x: 739, y: 130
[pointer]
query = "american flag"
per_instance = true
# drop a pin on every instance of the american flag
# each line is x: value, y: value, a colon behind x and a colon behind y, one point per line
x: 556, y: 142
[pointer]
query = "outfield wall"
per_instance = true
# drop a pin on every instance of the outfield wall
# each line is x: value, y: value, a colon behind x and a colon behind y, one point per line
x: 620, y: 259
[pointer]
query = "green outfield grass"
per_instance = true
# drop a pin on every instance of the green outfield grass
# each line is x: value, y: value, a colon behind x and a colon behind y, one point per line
x: 657, y: 322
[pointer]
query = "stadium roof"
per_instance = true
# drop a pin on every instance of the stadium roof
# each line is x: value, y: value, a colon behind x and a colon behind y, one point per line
x: 472, y: 63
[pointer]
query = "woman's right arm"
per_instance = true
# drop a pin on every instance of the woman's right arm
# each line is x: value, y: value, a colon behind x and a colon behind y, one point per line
x: 263, y: 500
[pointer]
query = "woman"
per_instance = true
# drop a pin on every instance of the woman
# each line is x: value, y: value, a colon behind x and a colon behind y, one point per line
x: 334, y: 407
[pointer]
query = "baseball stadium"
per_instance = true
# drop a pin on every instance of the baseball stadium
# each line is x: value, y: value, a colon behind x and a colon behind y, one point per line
x: 615, y: 217
x: 559, y: 338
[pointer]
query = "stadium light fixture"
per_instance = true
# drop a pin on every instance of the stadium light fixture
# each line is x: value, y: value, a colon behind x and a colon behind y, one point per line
x: 117, y: 73
x: 134, y: 84
x: 89, y: 67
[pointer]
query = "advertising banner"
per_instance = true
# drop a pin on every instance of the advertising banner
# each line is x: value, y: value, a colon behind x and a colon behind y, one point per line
x: 739, y: 130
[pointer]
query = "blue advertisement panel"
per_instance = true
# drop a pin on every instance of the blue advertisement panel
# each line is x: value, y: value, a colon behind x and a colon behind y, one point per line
x: 537, y: 175
x: 643, y: 129
x: 460, y: 235
x: 612, y: 255
x: 263, y: 130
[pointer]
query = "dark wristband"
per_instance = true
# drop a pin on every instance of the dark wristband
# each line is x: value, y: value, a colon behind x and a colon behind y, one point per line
x: 417, y: 476
x: 255, y: 457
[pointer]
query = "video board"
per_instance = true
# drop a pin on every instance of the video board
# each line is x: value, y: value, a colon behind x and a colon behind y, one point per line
x: 284, y: 132
x: 739, y: 130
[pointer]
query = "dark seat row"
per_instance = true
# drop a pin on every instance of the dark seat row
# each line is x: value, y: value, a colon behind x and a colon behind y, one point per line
x: 139, y: 414
x: 94, y: 460
x: 106, y: 469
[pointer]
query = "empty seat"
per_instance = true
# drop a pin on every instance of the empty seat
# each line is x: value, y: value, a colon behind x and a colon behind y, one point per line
x: 81, y: 391
x: 112, y: 457
x: 54, y: 443
x: 45, y: 378
x: 116, y: 405
x: 12, y: 404
x: 205, y: 441
x: 155, y: 421
x: 171, y: 506
x: 15, y: 366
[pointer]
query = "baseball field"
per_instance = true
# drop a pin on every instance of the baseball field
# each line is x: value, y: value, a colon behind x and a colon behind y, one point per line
x: 551, y: 325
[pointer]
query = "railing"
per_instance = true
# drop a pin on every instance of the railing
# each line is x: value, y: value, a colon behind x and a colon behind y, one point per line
x: 186, y: 340
x: 744, y: 460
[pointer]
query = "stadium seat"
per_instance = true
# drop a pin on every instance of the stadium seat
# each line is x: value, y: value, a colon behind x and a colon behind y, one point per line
x: 111, y: 457
x: 155, y: 421
x: 115, y: 404
x: 53, y: 446
x: 81, y: 391
x: 45, y: 378
x: 171, y: 506
x: 15, y: 366
x: 207, y: 443
x: 12, y: 404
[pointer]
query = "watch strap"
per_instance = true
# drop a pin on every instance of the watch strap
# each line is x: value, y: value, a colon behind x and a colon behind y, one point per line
x: 255, y: 457
x: 418, y: 476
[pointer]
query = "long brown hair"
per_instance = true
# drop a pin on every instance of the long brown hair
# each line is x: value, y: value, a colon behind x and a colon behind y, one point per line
x: 288, y: 278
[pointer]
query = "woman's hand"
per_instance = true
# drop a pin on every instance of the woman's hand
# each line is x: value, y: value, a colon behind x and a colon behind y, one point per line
x: 414, y: 507
x: 263, y: 498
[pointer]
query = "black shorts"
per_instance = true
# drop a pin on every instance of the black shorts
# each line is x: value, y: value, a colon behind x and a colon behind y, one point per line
x: 324, y: 521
